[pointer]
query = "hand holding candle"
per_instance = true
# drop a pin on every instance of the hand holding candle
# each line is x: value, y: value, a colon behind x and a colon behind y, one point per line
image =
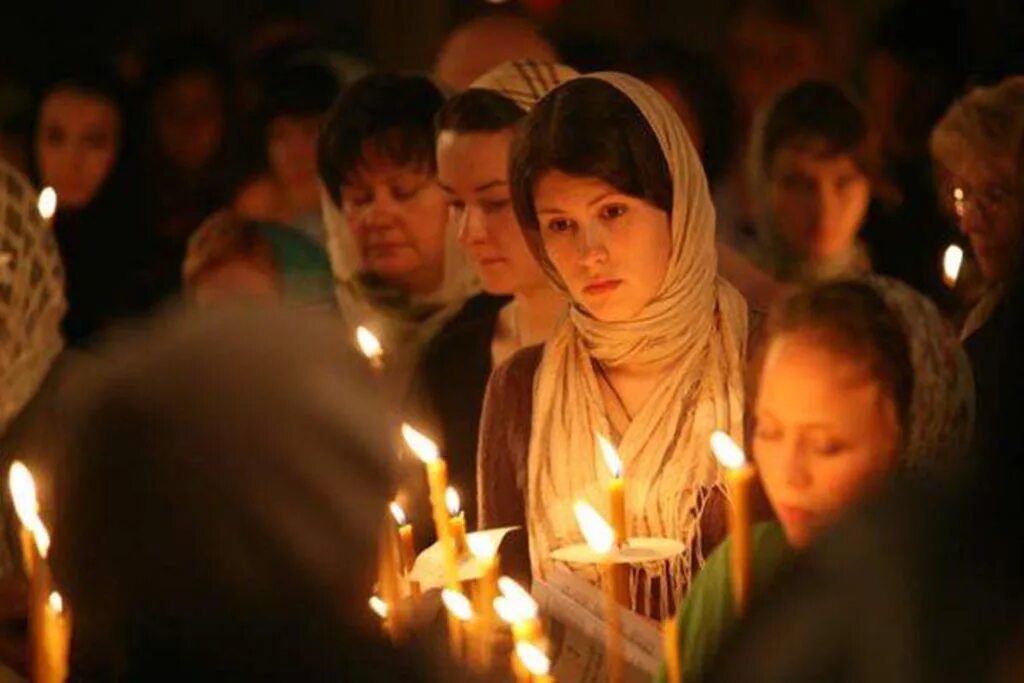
x: 616, y: 490
x: 740, y: 476
x: 601, y: 538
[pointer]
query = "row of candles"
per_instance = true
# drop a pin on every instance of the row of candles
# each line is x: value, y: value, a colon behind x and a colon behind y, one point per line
x: 515, y: 605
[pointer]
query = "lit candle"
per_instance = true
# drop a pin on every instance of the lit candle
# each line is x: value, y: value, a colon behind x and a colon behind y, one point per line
x: 406, y: 545
x: 456, y: 521
x: 670, y: 645
x: 381, y: 608
x: 485, y: 553
x: 52, y: 666
x: 26, y: 506
x: 47, y: 203
x: 370, y: 347
x: 437, y: 478
x: 516, y: 607
x: 601, y: 538
x: 952, y: 260
x: 740, y: 476
x: 389, y: 577
x: 459, y: 607
x: 616, y: 490
x: 535, y: 661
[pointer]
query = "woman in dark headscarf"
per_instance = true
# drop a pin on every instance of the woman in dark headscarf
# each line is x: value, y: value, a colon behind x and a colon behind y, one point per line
x: 81, y: 151
x: 224, y: 479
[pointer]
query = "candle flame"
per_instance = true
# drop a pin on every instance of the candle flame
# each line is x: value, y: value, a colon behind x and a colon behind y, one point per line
x: 728, y: 453
x: 398, y: 513
x: 481, y: 546
x: 598, y: 533
x: 47, y: 203
x: 56, y: 602
x: 26, y: 505
x: 379, y: 607
x: 611, y: 456
x: 533, y: 658
x: 457, y: 604
x: 952, y: 260
x: 368, y: 343
x: 452, y: 501
x: 519, y: 599
x: 23, y: 493
x: 424, y: 448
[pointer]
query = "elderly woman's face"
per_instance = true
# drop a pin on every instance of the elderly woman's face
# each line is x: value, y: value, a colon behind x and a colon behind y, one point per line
x: 982, y: 198
x: 398, y: 216
x: 76, y: 144
x: 826, y: 431
x: 611, y: 249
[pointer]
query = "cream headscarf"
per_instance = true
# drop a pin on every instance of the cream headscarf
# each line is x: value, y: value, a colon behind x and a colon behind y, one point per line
x: 524, y: 81
x: 32, y: 301
x: 697, y: 323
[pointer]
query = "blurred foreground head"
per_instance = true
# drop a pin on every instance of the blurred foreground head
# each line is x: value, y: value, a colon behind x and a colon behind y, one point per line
x: 225, y: 476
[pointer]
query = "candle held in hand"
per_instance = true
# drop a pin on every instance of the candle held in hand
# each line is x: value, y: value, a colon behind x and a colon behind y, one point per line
x: 406, y: 544
x: 616, y: 490
x: 740, y: 476
x: 601, y: 538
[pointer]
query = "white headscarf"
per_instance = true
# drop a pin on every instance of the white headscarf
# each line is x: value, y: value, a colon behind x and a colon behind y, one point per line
x: 697, y: 324
x: 32, y: 301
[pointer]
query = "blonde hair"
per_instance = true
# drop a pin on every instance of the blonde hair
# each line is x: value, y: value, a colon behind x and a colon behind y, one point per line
x: 985, y: 125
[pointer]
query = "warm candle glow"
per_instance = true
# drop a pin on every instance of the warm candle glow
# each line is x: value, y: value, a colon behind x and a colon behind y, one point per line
x: 368, y: 343
x: 398, y: 513
x: 518, y: 599
x: 958, y: 201
x: 533, y: 658
x: 598, y: 533
x: 457, y: 604
x: 424, y: 449
x: 611, y: 456
x: 379, y: 607
x: 23, y: 493
x: 452, y: 500
x: 47, y: 204
x: 481, y: 546
x: 728, y: 453
x: 952, y: 260
x: 56, y: 602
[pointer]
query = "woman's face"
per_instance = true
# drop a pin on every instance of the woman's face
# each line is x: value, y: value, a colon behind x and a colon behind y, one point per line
x: 983, y: 199
x: 611, y: 249
x: 825, y: 432
x: 189, y: 115
x: 77, y: 144
x: 398, y: 216
x: 472, y: 169
x: 817, y: 202
x: 291, y: 148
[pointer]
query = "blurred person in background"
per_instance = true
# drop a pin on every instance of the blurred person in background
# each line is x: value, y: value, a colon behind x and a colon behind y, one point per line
x: 296, y: 98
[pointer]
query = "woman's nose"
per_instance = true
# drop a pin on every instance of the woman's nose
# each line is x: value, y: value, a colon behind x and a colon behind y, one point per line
x: 591, y: 241
x: 471, y: 228
x: 797, y: 476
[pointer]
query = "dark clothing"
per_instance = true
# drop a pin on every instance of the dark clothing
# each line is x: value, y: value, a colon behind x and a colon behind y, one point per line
x: 447, y: 396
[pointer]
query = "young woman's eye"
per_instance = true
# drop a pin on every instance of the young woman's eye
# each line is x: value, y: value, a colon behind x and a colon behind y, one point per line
x: 405, y: 191
x: 767, y: 433
x: 54, y: 136
x: 560, y: 225
x: 613, y: 211
x: 827, y: 446
x: 357, y: 198
x: 494, y: 206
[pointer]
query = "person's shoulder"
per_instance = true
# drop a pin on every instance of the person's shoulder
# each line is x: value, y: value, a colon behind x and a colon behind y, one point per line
x: 471, y: 328
x: 520, y: 367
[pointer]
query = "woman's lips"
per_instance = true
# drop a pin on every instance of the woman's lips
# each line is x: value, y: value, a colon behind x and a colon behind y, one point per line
x: 793, y: 514
x: 601, y: 287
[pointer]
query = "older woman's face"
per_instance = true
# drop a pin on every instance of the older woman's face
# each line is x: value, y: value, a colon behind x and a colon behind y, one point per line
x: 825, y: 433
x: 472, y: 169
x: 398, y: 217
x: 76, y: 144
x: 982, y: 198
x: 611, y: 249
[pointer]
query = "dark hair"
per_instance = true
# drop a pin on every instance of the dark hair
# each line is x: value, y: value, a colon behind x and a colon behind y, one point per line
x: 804, y: 14
x: 478, y: 111
x: 299, y: 89
x: 394, y: 114
x: 181, y: 55
x: 704, y: 88
x: 587, y: 127
x: 852, y: 318
x: 817, y: 112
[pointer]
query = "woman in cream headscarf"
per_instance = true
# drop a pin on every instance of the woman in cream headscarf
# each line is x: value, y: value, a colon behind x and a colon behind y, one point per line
x: 615, y: 205
x: 399, y: 268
